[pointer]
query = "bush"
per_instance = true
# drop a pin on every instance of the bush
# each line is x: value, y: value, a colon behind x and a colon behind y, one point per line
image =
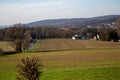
x: 29, y: 69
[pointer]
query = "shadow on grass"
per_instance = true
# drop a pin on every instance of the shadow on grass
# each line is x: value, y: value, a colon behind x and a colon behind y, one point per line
x: 6, y: 53
x: 56, y: 50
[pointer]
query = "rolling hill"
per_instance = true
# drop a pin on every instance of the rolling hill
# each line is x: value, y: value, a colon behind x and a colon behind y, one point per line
x: 75, y: 22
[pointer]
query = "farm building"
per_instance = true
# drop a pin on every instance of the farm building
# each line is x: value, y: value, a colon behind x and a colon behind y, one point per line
x: 80, y: 37
x: 97, y: 37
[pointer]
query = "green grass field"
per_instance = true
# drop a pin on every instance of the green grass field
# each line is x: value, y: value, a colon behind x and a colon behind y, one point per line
x: 89, y: 63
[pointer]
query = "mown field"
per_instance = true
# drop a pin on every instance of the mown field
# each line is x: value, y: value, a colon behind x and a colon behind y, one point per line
x: 69, y: 44
x: 74, y: 63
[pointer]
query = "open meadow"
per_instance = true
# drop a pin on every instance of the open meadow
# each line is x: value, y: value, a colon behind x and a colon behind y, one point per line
x: 65, y: 59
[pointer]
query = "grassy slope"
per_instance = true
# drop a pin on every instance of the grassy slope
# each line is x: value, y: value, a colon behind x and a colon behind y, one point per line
x: 69, y: 44
x: 95, y: 63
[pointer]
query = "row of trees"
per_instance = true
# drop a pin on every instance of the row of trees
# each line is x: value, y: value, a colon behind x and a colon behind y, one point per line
x: 21, y: 32
x: 109, y: 34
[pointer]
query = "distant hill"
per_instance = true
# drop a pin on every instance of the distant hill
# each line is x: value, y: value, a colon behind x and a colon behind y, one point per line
x: 76, y: 22
x: 4, y: 26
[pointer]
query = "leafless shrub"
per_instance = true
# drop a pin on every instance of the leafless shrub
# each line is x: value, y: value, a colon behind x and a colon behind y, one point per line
x: 29, y: 69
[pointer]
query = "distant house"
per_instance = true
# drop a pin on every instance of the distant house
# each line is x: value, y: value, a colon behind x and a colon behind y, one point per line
x: 80, y: 37
x: 97, y: 37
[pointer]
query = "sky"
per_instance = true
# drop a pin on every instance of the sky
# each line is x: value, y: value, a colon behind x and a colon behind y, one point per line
x: 25, y: 11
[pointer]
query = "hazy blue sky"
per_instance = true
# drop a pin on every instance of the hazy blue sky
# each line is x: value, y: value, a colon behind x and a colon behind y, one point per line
x: 25, y: 11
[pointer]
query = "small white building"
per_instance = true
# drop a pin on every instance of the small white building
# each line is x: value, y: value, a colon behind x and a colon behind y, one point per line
x: 97, y: 37
x: 80, y: 37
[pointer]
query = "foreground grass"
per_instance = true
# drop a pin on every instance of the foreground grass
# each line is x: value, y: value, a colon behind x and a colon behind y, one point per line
x: 86, y: 73
x: 86, y: 64
x: 101, y: 73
